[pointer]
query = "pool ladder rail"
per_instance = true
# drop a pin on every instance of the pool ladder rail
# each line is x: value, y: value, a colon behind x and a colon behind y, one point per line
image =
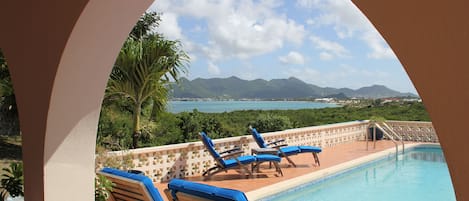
x: 389, y: 132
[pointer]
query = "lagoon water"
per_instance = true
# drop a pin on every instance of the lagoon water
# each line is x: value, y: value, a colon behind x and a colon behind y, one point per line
x: 228, y: 106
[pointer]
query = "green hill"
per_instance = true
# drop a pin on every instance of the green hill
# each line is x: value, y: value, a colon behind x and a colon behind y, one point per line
x: 291, y: 88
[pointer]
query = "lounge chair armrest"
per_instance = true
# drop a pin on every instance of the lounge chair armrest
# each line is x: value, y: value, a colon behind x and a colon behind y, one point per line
x: 276, y: 142
x: 280, y: 145
x: 231, y: 150
x: 232, y: 154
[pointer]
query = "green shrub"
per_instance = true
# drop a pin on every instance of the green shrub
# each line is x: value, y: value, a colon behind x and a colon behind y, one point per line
x: 12, y: 179
x: 102, y: 188
x: 3, y: 195
x: 123, y: 161
x: 171, y: 128
x: 270, y: 122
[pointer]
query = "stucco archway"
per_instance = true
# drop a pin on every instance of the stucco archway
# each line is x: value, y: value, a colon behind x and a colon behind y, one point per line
x: 431, y: 40
x: 60, y: 54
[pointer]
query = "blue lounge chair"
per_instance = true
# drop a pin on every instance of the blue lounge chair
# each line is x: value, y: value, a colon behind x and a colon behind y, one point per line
x: 182, y: 189
x: 231, y: 159
x: 130, y: 186
x: 133, y: 187
x: 283, y: 149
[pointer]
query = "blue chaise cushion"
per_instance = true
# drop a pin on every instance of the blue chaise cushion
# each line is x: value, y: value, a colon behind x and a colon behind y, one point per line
x: 243, y: 159
x: 290, y: 150
x: 137, y: 177
x: 259, y: 140
x: 267, y: 158
x: 209, y: 145
x: 310, y: 149
x: 205, y: 191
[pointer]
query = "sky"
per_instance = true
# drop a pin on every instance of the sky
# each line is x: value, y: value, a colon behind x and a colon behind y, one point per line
x: 329, y: 43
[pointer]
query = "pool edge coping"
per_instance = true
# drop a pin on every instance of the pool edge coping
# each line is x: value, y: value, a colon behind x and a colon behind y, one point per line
x: 297, y: 181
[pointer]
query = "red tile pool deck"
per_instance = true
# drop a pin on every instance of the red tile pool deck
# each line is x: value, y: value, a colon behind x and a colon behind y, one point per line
x: 329, y: 157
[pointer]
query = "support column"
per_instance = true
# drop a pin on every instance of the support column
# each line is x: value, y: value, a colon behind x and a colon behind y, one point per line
x: 60, y: 54
x: 431, y: 39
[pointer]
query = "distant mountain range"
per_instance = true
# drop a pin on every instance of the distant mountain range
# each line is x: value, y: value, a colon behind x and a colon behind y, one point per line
x: 291, y: 88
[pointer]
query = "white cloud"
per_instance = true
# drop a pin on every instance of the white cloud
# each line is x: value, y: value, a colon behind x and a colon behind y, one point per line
x: 329, y: 47
x: 246, y: 71
x: 213, y: 69
x: 292, y: 58
x: 212, y: 54
x: 240, y: 29
x: 197, y: 29
x: 379, y: 48
x: 310, y: 21
x: 309, y: 75
x: 192, y: 57
x: 342, y: 76
x: 170, y: 27
x: 325, y: 56
x: 348, y: 21
x: 343, y: 15
x: 307, y: 3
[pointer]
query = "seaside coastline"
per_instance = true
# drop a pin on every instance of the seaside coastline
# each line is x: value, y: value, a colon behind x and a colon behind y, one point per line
x: 227, y: 105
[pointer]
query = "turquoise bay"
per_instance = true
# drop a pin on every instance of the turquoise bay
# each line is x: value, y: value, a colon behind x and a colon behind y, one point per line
x: 228, y: 106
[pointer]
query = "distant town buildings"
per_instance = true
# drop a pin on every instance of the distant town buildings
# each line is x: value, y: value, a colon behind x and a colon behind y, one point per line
x: 364, y: 101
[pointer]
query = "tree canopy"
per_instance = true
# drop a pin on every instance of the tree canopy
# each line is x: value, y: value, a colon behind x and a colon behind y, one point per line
x: 145, y: 65
x: 9, y: 122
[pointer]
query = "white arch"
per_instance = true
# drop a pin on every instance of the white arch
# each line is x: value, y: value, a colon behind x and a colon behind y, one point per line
x: 59, y: 83
x: 46, y: 41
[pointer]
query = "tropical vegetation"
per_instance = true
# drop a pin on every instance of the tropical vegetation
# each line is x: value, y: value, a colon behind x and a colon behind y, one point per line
x: 184, y: 127
x: 102, y: 189
x: 145, y: 65
x: 12, y: 181
x: 8, y: 110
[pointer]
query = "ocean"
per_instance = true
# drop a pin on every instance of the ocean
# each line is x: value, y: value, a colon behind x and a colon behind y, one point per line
x: 228, y: 106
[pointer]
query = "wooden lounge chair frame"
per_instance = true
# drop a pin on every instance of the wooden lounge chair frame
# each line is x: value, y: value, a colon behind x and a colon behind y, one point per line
x: 278, y: 144
x: 230, y: 154
x: 125, y: 189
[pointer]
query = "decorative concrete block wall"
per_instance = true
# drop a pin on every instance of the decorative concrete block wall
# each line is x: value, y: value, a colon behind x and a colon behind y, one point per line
x: 415, y: 131
x: 191, y: 159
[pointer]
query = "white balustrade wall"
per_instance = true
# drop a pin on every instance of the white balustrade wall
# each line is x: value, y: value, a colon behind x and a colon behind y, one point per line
x: 416, y: 131
x: 191, y: 159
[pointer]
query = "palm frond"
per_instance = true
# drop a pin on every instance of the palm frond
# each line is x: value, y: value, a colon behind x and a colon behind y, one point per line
x: 143, y: 68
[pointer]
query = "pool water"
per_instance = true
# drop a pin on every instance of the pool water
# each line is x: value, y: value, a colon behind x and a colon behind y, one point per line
x: 420, y: 174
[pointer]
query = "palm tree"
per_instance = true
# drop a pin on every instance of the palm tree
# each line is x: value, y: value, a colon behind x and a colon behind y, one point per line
x: 141, y: 72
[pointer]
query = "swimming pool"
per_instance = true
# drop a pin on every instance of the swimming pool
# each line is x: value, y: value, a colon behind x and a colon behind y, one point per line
x: 420, y: 174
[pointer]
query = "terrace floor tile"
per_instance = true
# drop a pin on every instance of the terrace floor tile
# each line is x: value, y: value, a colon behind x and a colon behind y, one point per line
x: 330, y: 156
